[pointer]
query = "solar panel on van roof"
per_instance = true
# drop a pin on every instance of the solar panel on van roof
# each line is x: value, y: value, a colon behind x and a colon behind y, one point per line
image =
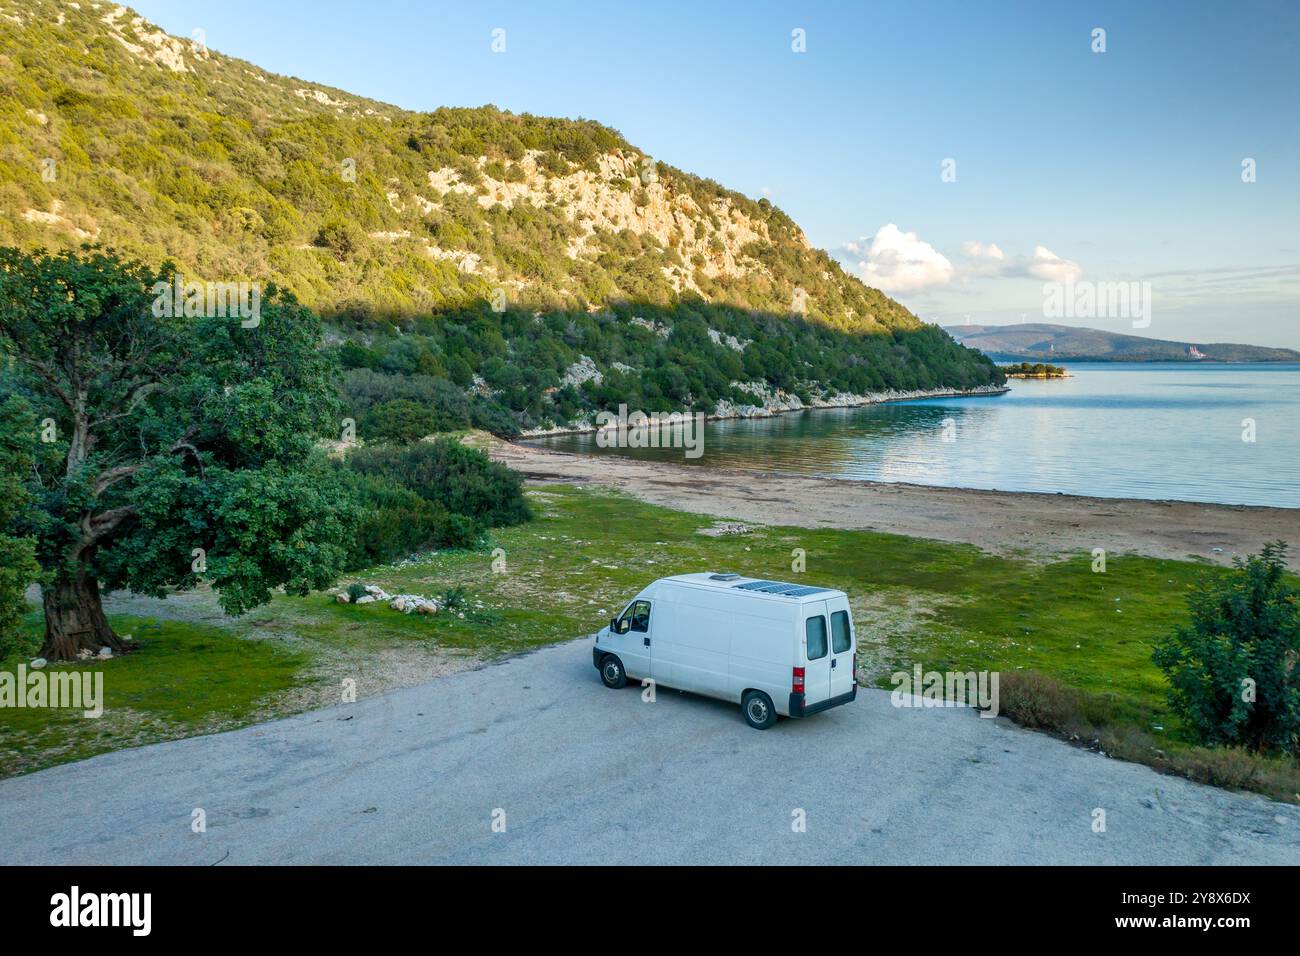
x: 779, y: 587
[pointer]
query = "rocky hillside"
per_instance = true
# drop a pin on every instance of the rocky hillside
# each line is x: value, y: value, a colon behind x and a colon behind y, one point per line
x: 476, y: 266
x: 114, y: 131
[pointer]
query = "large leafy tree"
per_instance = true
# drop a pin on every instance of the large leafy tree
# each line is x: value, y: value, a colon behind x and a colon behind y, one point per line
x: 174, y: 448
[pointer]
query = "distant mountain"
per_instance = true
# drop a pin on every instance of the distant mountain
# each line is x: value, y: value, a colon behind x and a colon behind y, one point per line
x: 1040, y: 340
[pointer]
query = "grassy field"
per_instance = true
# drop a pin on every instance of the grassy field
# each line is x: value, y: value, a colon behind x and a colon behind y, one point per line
x: 944, y: 606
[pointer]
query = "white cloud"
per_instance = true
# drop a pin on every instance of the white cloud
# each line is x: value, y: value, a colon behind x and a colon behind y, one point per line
x: 982, y: 250
x: 1050, y: 267
x: 987, y: 260
x: 897, y: 261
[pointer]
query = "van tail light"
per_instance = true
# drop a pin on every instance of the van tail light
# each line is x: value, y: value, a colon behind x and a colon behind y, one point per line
x: 796, y: 682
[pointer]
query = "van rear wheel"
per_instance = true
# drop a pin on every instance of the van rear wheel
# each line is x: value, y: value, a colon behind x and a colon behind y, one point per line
x: 758, y: 710
x: 612, y: 673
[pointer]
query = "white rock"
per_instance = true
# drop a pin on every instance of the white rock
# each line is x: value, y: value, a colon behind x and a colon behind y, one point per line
x: 581, y: 371
x: 366, y: 599
x: 343, y: 598
x: 39, y: 663
x: 105, y: 653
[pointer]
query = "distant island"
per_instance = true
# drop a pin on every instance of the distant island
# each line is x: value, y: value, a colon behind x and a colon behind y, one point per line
x: 1034, y: 370
x: 1041, y: 340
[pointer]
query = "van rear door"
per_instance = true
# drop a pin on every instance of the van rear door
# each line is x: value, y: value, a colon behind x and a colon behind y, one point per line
x: 817, y: 653
x: 843, y: 646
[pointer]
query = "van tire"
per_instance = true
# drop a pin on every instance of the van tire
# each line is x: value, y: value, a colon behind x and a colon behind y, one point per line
x: 612, y: 674
x: 758, y: 710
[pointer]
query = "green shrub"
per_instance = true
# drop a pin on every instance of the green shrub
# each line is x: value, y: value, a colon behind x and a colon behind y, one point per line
x: 454, y: 599
x: 492, y: 417
x: 400, y: 422
x: 1232, y: 672
x: 354, y: 355
x: 396, y: 522
x: 457, y: 478
x: 364, y: 389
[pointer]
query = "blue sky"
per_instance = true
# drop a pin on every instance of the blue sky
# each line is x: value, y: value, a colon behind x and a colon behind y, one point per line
x: 1096, y: 167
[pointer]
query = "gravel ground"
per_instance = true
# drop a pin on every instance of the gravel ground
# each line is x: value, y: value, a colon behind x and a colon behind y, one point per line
x: 581, y: 774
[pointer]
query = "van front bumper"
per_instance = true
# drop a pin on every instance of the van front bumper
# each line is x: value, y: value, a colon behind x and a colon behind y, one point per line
x: 800, y: 709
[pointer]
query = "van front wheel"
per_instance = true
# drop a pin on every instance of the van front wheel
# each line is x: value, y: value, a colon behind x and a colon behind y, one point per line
x: 612, y: 673
x: 758, y: 710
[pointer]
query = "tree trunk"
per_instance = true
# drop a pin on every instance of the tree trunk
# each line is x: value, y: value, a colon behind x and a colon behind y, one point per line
x: 75, y: 621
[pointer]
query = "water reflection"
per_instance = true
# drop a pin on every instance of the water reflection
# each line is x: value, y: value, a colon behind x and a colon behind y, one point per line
x: 1147, y: 431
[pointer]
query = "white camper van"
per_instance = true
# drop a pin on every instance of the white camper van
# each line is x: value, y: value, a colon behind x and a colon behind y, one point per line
x: 773, y: 648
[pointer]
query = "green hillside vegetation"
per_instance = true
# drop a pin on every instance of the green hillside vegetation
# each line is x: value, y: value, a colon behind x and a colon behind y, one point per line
x: 520, y: 359
x: 393, y: 224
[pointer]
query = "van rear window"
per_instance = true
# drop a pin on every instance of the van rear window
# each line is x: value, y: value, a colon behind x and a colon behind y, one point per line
x: 815, y: 629
x: 841, y: 637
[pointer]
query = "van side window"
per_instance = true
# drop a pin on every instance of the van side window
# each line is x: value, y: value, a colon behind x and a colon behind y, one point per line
x: 815, y: 629
x: 841, y: 638
x: 640, y: 615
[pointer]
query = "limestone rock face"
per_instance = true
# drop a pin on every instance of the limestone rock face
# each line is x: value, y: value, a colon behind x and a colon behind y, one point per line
x: 624, y: 193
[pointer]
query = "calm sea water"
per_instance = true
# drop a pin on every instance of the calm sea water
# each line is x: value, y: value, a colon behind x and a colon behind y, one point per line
x: 1113, y: 430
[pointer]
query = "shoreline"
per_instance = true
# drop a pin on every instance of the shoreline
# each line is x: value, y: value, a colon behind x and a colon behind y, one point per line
x: 771, y: 411
x: 1042, y: 525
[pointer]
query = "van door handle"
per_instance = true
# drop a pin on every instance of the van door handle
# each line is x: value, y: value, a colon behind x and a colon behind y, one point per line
x: 834, y: 661
x: 647, y: 641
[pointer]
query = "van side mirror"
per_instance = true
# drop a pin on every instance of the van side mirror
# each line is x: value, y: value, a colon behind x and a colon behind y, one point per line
x: 613, y: 625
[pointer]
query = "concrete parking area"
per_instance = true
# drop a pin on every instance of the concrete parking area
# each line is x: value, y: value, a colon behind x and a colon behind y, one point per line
x: 533, y: 761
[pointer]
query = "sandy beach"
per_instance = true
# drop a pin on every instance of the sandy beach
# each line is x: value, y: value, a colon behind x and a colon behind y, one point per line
x: 1001, y: 522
